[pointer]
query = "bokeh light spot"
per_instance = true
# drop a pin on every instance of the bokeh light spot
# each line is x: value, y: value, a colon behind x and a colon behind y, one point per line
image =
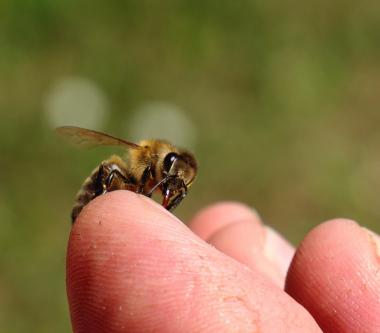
x: 76, y: 101
x: 160, y: 120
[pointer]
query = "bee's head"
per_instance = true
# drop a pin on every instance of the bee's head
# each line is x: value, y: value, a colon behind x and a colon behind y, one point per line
x: 179, y: 170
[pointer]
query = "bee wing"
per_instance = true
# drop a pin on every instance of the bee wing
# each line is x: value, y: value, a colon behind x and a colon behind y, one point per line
x: 89, y: 138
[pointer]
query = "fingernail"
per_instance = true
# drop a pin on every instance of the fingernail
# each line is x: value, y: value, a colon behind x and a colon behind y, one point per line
x: 278, y: 250
x: 375, y: 240
x: 255, y: 212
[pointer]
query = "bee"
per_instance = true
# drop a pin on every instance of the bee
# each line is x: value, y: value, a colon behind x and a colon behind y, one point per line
x: 153, y: 165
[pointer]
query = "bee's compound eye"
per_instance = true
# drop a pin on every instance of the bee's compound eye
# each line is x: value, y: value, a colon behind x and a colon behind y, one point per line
x: 169, y: 160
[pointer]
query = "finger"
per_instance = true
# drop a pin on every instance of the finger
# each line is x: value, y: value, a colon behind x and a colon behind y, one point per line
x: 133, y: 267
x: 335, y: 275
x: 213, y: 218
x: 238, y: 231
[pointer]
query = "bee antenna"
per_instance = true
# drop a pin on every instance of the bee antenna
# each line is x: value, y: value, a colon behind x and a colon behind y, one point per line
x: 163, y: 180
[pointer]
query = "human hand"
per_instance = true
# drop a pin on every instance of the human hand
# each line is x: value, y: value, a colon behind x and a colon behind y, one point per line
x: 133, y: 267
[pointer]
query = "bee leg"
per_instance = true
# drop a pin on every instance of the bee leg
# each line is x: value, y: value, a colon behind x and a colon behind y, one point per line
x: 144, y: 178
x: 177, y: 199
x: 115, y: 173
x: 99, y: 184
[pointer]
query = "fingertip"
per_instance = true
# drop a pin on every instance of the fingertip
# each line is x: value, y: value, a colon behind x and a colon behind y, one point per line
x: 217, y: 216
x: 238, y: 231
x: 111, y: 237
x: 116, y: 205
x: 334, y: 275
x: 329, y: 227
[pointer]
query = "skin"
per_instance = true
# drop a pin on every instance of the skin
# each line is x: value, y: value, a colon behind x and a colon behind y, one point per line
x: 133, y: 267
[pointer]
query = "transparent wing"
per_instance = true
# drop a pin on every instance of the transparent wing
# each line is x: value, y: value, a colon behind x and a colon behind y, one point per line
x: 89, y: 138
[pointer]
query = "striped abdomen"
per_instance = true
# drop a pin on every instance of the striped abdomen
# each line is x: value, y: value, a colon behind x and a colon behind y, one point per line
x: 110, y: 175
x: 91, y: 188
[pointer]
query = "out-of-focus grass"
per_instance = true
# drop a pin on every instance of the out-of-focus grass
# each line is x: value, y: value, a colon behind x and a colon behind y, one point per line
x: 284, y: 97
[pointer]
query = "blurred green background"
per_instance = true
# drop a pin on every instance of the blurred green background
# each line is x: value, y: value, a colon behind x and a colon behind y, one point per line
x: 279, y: 102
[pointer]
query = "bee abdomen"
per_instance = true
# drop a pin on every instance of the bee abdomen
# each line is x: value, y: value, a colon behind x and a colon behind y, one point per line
x: 91, y: 188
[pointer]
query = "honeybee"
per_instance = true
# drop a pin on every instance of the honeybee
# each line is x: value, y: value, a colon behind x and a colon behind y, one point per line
x: 154, y: 165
